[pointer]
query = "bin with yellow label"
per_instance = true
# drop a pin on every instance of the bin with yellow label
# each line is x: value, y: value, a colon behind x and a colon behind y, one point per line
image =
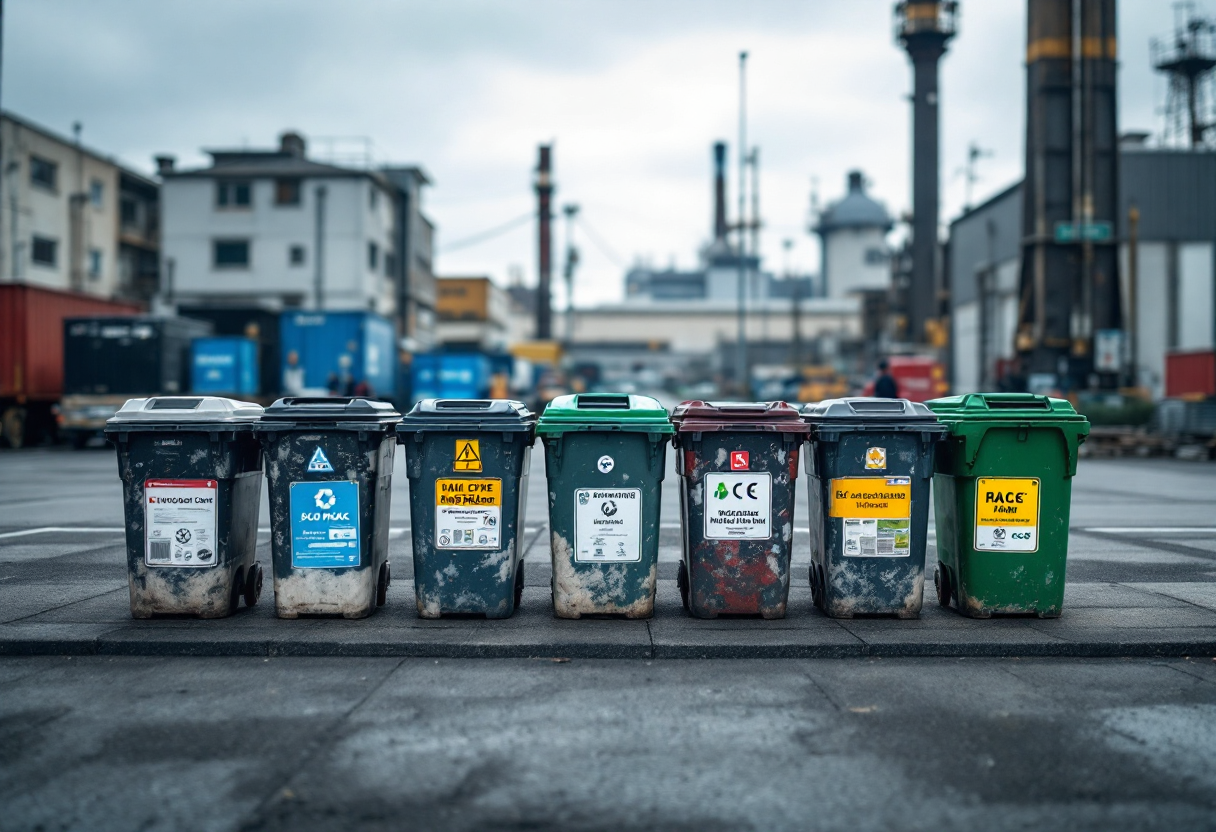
x: 1001, y: 497
x: 467, y: 461
x: 870, y: 462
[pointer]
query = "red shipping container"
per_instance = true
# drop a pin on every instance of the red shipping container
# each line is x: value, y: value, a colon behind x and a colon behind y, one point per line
x: 918, y: 378
x: 31, y: 337
x: 1190, y: 374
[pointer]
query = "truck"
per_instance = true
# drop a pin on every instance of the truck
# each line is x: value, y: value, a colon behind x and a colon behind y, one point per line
x: 255, y: 323
x: 31, y: 355
x: 337, y: 353
x: 919, y: 378
x: 107, y: 360
x: 443, y: 375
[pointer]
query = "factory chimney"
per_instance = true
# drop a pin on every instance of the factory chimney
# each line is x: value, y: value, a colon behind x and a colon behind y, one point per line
x: 544, y: 217
x: 719, y: 191
x: 923, y: 28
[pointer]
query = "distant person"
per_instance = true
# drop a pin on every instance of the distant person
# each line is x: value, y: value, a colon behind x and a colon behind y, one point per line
x: 293, y: 375
x: 885, y: 385
x: 363, y: 390
x: 333, y: 385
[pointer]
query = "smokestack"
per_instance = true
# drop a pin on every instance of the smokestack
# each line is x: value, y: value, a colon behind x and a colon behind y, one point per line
x: 292, y: 144
x: 924, y: 28
x: 719, y: 191
x: 544, y: 216
x: 164, y: 164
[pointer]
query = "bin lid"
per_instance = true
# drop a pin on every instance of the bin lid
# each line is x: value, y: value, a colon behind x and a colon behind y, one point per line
x: 345, y: 411
x: 868, y: 411
x: 704, y: 417
x: 604, y: 411
x: 188, y: 412
x: 1003, y: 407
x: 496, y: 415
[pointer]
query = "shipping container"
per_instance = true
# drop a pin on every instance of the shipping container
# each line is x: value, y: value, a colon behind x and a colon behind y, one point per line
x: 258, y: 324
x: 450, y: 376
x: 338, y: 352
x: 1190, y: 374
x: 31, y: 355
x: 224, y: 366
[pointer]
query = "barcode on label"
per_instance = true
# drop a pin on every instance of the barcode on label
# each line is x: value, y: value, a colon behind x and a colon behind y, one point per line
x: 159, y: 550
x: 886, y: 545
x: 868, y: 546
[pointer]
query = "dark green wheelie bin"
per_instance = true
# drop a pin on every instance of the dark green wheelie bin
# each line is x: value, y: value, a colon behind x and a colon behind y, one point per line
x: 191, y: 473
x: 329, y: 469
x: 1001, y: 498
x: 604, y: 458
x: 467, y: 461
x: 870, y: 462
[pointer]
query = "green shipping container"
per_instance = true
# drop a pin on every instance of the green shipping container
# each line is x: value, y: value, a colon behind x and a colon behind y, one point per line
x: 1001, y: 491
x: 604, y: 457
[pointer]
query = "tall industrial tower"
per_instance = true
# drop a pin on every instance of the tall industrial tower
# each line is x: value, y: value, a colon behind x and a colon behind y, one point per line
x: 1189, y: 58
x: 1070, y: 295
x: 923, y: 28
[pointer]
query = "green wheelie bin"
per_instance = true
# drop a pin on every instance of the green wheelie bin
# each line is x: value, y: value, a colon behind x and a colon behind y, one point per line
x: 1001, y: 493
x: 604, y: 458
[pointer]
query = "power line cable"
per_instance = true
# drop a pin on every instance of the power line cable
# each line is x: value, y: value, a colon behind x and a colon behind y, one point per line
x: 604, y: 248
x: 488, y: 234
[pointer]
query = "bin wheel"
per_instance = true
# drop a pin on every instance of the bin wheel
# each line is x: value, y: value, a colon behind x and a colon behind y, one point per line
x: 816, y: 589
x: 253, y: 585
x: 682, y: 583
x: 382, y: 586
x: 238, y: 589
x: 519, y: 584
x: 941, y: 580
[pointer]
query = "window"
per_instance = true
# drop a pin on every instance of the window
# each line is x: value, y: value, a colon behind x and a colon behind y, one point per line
x: 287, y: 192
x: 390, y: 264
x: 875, y: 257
x: 97, y: 192
x: 233, y: 195
x: 43, y: 172
x: 231, y: 254
x: 128, y: 211
x: 373, y: 197
x: 295, y: 255
x: 95, y: 263
x: 373, y: 256
x: 45, y: 251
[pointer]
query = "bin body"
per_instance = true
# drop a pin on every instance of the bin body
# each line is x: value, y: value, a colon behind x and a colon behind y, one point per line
x: 738, y: 465
x: 604, y: 458
x: 467, y: 461
x: 329, y: 470
x: 191, y: 471
x: 1001, y: 494
x: 869, y: 466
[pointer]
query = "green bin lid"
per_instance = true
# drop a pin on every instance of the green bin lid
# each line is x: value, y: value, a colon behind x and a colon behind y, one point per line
x: 466, y: 415
x: 604, y: 412
x: 988, y: 407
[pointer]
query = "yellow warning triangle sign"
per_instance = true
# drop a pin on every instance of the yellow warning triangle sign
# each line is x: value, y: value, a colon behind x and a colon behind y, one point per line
x: 468, y: 455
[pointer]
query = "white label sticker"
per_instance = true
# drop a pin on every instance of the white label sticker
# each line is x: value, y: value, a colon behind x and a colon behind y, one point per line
x: 607, y: 525
x: 605, y: 464
x: 871, y: 537
x: 179, y: 523
x: 738, y: 506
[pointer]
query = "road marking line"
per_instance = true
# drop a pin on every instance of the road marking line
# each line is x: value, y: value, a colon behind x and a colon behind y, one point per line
x: 52, y: 529
x: 1149, y: 529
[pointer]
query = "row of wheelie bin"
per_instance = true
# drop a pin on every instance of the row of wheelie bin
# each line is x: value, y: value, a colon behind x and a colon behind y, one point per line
x: 999, y: 467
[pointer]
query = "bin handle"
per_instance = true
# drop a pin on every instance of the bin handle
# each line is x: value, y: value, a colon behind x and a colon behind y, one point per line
x: 1007, y: 401
x: 464, y: 404
x: 601, y: 401
x: 877, y: 406
x: 174, y: 403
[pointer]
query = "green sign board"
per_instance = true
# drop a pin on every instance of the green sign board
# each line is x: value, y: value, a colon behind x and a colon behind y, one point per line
x: 1094, y: 232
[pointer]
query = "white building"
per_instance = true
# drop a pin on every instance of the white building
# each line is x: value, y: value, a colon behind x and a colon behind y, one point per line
x: 72, y: 218
x: 853, y: 242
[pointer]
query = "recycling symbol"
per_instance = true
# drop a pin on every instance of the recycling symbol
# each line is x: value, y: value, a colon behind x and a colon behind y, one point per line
x: 721, y: 493
x: 998, y: 534
x: 325, y: 499
x: 608, y: 507
x: 183, y: 535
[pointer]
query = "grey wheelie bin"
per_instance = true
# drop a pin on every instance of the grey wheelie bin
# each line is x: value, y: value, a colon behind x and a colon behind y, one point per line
x: 870, y: 466
x: 329, y: 467
x: 191, y: 474
x: 467, y: 460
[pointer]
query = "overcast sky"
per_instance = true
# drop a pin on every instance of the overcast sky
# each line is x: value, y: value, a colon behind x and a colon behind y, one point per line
x: 632, y: 93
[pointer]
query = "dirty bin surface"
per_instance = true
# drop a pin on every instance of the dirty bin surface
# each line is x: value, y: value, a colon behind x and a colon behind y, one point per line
x: 191, y: 472
x: 604, y: 459
x: 467, y: 461
x: 1001, y: 497
x: 738, y: 464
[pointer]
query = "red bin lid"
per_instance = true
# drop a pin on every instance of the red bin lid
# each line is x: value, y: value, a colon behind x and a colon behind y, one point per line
x: 706, y: 417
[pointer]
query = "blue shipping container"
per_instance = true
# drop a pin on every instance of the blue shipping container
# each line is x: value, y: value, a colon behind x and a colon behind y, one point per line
x: 346, y: 347
x: 225, y: 366
x: 450, y: 376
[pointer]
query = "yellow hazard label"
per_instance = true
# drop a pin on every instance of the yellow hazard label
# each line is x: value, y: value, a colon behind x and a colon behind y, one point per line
x: 453, y: 492
x: 1007, y: 501
x: 871, y: 497
x: 876, y: 458
x: 468, y: 455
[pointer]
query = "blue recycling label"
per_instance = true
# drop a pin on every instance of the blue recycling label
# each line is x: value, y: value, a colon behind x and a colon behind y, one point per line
x: 319, y: 464
x: 325, y: 525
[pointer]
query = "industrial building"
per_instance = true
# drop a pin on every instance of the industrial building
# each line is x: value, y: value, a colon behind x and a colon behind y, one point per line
x: 472, y: 314
x: 853, y: 242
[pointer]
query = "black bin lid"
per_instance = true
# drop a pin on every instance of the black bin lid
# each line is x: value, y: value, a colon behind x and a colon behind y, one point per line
x: 465, y: 415
x: 868, y: 412
x: 350, y: 413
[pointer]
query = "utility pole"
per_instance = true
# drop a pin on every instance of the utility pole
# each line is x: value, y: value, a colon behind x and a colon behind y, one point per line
x: 318, y: 287
x: 795, y: 308
x: 544, y: 217
x: 741, y: 379
x: 571, y: 211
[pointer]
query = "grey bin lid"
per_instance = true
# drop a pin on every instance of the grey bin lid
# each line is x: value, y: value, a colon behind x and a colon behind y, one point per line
x: 306, y: 410
x: 186, y: 412
x: 864, y: 411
